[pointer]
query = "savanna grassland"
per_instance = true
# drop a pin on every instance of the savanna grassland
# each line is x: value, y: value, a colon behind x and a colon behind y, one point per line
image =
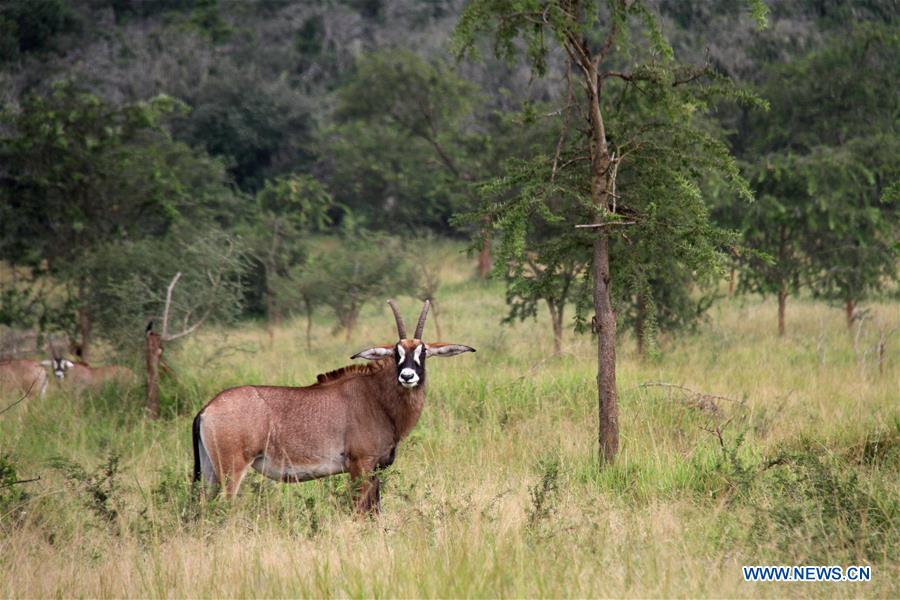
x: 497, y: 492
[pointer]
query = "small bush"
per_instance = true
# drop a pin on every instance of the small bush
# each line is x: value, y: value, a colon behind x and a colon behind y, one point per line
x: 819, y: 504
x: 100, y: 488
x: 13, y: 494
x: 545, y: 492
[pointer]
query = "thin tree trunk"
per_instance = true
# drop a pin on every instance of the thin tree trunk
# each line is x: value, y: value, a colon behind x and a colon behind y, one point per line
x: 309, y: 311
x: 606, y: 353
x: 782, y: 300
x: 640, y: 323
x: 602, y: 182
x: 351, y: 322
x: 154, y: 350
x: 732, y: 279
x: 851, y: 311
x: 434, y: 317
x: 484, y: 257
x: 84, y: 323
x: 556, y: 319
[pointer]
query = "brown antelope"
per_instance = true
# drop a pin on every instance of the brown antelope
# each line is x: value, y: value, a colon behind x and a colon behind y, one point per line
x: 81, y: 375
x: 23, y: 376
x: 350, y: 420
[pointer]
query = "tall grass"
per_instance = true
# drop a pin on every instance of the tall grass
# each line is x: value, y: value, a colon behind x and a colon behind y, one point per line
x: 497, y: 492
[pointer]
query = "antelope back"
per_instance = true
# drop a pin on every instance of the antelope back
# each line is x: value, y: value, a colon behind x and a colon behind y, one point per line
x: 22, y: 376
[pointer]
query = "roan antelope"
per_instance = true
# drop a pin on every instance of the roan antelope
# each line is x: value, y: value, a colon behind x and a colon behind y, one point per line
x: 23, y: 376
x: 81, y: 375
x: 350, y: 420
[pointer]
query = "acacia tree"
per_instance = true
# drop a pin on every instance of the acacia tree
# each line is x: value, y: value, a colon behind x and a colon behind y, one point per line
x: 351, y: 275
x: 287, y: 209
x: 657, y: 137
x: 821, y: 162
x: 405, y: 142
x: 846, y: 154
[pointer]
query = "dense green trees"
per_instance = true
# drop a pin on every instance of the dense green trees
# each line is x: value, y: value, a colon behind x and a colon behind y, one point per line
x: 636, y: 160
x: 84, y: 175
x: 822, y: 161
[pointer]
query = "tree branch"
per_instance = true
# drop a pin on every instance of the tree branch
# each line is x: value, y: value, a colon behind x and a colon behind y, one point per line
x: 12, y: 483
x: 27, y: 392
x: 198, y: 323
x: 619, y: 74
x: 165, y: 319
x: 607, y: 224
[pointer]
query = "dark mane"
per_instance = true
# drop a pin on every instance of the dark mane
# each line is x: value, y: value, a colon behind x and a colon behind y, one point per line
x: 350, y: 371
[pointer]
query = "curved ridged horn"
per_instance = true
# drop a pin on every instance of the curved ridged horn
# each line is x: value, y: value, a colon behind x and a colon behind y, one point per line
x: 420, y: 326
x: 401, y: 328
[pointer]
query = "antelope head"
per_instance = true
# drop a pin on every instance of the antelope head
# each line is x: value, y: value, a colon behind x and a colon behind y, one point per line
x: 57, y: 364
x: 410, y: 353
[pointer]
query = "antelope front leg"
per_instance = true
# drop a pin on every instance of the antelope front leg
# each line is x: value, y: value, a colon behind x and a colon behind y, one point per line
x: 368, y: 492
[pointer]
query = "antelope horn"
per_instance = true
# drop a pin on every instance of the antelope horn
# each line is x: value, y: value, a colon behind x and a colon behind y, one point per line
x: 51, y: 348
x: 420, y: 326
x: 401, y: 328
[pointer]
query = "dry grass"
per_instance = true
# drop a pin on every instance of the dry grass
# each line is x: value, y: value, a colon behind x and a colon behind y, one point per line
x: 497, y: 491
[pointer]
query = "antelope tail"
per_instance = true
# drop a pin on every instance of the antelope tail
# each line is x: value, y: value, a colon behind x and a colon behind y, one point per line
x: 196, y: 436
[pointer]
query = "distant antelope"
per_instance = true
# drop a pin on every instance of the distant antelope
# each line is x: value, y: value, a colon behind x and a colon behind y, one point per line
x: 81, y: 375
x: 23, y: 376
x: 350, y: 420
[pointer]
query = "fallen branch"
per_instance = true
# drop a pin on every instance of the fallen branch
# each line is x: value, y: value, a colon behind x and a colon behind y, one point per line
x: 12, y: 483
x: 701, y: 400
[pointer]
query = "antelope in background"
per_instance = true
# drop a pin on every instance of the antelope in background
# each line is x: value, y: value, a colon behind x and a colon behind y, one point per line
x: 350, y: 420
x: 81, y: 375
x: 23, y: 376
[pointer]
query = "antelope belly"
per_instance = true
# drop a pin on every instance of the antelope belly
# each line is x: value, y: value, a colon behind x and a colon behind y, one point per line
x: 286, y: 471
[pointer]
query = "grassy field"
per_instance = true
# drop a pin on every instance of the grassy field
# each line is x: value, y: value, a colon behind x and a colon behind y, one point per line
x: 497, y: 492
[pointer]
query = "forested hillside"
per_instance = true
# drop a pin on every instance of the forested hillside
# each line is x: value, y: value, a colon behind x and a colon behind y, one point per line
x: 135, y: 120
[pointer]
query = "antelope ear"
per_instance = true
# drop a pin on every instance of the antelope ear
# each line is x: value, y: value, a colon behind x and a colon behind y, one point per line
x: 375, y: 353
x: 442, y: 349
x: 47, y: 363
x: 68, y: 364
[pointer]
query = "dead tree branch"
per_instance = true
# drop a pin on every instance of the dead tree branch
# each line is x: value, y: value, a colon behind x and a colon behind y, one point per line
x: 12, y: 483
x: 165, y: 318
x: 700, y: 400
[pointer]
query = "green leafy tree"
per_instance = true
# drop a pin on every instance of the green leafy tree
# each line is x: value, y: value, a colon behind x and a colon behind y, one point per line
x: 406, y: 150
x: 352, y: 274
x: 822, y: 161
x: 179, y: 284
x: 80, y: 174
x: 287, y: 209
x: 635, y: 164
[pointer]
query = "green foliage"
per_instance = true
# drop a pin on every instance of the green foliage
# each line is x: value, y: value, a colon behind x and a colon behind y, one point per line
x: 100, y: 489
x: 822, y: 160
x: 363, y: 268
x: 129, y: 283
x: 663, y: 149
x: 13, y: 494
x: 287, y: 210
x: 90, y: 183
x: 545, y: 493
x: 404, y: 149
x: 822, y: 507
x: 32, y: 26
x: 261, y: 129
